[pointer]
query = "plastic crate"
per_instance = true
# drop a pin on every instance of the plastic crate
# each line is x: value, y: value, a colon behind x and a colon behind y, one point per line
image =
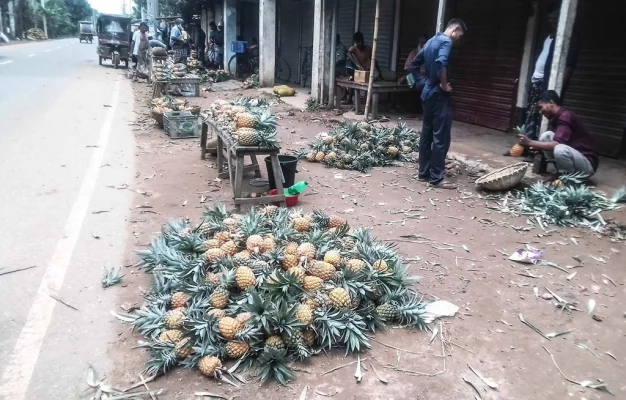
x: 238, y: 46
x: 181, y: 125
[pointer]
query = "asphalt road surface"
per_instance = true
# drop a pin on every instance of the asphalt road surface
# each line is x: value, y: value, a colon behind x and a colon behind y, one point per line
x: 64, y: 139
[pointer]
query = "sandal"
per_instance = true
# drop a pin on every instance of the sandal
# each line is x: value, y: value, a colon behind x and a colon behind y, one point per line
x: 442, y: 185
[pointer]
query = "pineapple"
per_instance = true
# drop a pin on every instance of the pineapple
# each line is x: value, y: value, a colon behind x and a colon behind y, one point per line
x: 290, y: 261
x: 210, y: 366
x: 332, y: 257
x: 270, y: 211
x: 244, y: 278
x: 319, y: 156
x: 236, y: 350
x: 268, y: 245
x: 229, y: 327
x: 406, y: 150
x: 306, y: 251
x: 179, y: 299
x: 321, y: 300
x: 309, y: 337
x: 387, y: 311
x: 518, y: 150
x: 222, y: 237
x: 212, y: 255
x: 312, y: 283
x: 246, y: 120
x: 219, y: 297
x: 230, y: 223
x: 230, y: 248
x: 392, y: 151
x: 212, y: 278
x: 330, y: 157
x: 248, y: 137
x: 217, y: 313
x: 174, y: 319
x: 171, y: 336
x: 356, y: 265
x: 310, y: 157
x: 291, y: 248
x: 303, y: 314
x: 242, y: 258
x: 297, y: 271
x: 275, y: 342
x: 337, y: 221
x: 310, y: 302
x: 339, y: 298
x: 381, y: 266
x: 244, y: 317
x: 254, y: 243
x: 212, y: 244
x: 183, y: 349
x: 301, y: 224
x: 293, y: 340
x: 321, y: 269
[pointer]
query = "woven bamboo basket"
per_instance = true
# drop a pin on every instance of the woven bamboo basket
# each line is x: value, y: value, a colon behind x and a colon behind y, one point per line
x: 195, y: 110
x: 158, y: 117
x: 504, y: 178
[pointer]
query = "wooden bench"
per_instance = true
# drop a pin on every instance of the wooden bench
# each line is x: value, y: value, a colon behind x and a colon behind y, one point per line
x: 234, y: 156
x: 379, y: 87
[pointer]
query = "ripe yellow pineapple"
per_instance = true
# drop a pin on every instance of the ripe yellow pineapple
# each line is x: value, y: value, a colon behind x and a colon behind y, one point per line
x: 339, y: 298
x: 312, y: 283
x: 212, y: 244
x: 183, y: 348
x: 244, y: 278
x: 236, y: 350
x: 254, y: 243
x: 306, y: 251
x: 230, y: 248
x: 336, y: 221
x: 245, y: 120
x: 356, y: 265
x: 171, y: 336
x: 310, y: 157
x: 275, y: 342
x: 228, y: 327
x: 230, y: 223
x: 392, y: 151
x: 301, y: 224
x: 244, y: 317
x: 217, y: 312
x: 321, y: 269
x: 291, y: 248
x: 222, y: 237
x: 268, y: 245
x: 290, y: 261
x: 309, y: 337
x: 174, y: 319
x: 212, y: 278
x: 219, y: 297
x: 381, y: 266
x: 297, y: 271
x: 328, y: 140
x: 212, y: 255
x: 209, y: 366
x: 332, y: 257
x: 330, y: 157
x: 319, y: 156
x: 179, y: 299
x: 248, y: 137
x: 303, y: 314
x: 270, y: 211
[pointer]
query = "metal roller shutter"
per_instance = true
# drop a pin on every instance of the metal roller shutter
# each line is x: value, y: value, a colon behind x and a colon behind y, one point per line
x: 597, y: 92
x: 485, y: 64
x: 416, y: 18
x: 290, y: 35
x: 385, y: 28
x: 345, y: 21
x: 249, y: 20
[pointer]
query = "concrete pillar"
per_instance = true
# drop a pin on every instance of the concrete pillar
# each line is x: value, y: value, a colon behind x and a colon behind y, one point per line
x: 567, y: 17
x: 441, y: 15
x: 396, y: 36
x: 152, y: 8
x: 267, y: 42
x: 328, y: 48
x: 12, y: 17
x: 318, y: 50
x: 333, y: 54
x: 528, y: 63
x: 230, y: 29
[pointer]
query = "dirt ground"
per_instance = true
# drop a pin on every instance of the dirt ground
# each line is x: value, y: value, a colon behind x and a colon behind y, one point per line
x: 491, y: 291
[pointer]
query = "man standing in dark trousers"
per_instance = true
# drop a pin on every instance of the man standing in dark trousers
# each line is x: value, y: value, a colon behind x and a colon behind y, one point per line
x: 435, y: 138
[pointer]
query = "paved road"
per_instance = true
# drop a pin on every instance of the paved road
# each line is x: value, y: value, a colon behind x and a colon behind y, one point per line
x: 64, y: 137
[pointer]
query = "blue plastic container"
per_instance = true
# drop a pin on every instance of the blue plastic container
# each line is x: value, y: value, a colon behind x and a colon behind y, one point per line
x: 238, y: 46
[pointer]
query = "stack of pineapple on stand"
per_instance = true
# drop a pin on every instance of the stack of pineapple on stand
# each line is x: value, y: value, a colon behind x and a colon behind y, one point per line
x: 267, y: 288
x: 161, y: 105
x: 161, y: 73
x: 249, y: 121
x: 362, y: 146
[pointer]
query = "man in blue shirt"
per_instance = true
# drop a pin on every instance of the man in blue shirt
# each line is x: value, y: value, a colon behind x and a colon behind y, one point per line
x: 176, y: 40
x: 435, y: 137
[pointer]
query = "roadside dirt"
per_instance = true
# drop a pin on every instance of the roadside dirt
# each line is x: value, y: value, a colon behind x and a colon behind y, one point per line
x: 487, y: 332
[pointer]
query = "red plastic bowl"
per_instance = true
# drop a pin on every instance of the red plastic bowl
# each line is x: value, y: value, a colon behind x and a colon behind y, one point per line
x: 292, y: 201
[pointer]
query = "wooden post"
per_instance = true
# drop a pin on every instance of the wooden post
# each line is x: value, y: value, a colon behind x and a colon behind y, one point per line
x: 370, y: 87
x: 333, y: 55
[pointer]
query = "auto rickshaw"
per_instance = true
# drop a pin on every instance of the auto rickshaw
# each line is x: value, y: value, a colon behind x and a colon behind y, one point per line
x: 85, y: 31
x: 114, y: 36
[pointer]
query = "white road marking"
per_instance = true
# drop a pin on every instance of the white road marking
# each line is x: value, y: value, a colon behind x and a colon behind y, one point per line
x: 6, y: 62
x: 31, y: 55
x: 19, y: 371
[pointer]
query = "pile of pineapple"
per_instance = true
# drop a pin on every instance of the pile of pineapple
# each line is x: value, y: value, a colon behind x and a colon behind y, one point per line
x: 215, y: 76
x: 361, y: 146
x: 249, y: 121
x: 266, y: 288
x: 161, y: 73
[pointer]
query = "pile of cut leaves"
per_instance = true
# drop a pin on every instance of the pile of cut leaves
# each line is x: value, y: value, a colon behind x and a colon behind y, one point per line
x: 566, y: 202
x: 265, y: 289
x: 361, y: 146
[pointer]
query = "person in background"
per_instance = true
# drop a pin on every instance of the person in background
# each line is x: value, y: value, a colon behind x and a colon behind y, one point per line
x: 141, y: 47
x: 543, y: 67
x: 216, y: 40
x: 360, y: 57
x: 567, y: 141
x: 421, y: 41
x: 201, y: 44
x: 163, y: 37
x: 176, y: 40
x: 435, y: 138
x: 187, y: 42
x: 133, y: 30
x: 340, y: 64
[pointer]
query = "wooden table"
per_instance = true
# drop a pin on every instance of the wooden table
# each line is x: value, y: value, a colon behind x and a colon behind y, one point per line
x: 379, y: 87
x: 234, y: 155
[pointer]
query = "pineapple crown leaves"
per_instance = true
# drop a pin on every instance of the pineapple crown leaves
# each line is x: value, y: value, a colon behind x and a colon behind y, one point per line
x: 154, y: 255
x: 281, y: 285
x: 367, y: 311
x: 261, y: 309
x: 357, y: 284
x: 252, y: 224
x: 274, y: 257
x: 300, y: 352
x: 410, y: 312
x: 341, y: 328
x: 149, y: 319
x: 282, y: 319
x: 273, y: 365
x: 203, y: 327
x: 249, y: 334
x: 163, y: 358
x: 190, y: 268
x: 111, y: 277
x: 202, y: 349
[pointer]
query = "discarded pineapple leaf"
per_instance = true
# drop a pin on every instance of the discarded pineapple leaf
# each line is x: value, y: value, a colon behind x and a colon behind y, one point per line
x: 465, y: 248
x: 556, y: 334
x: 134, y: 395
x: 358, y: 375
x: 591, y: 305
x: 531, y: 326
x: 111, y: 277
x: 598, y: 384
x: 91, y: 377
x: 570, y: 276
x: 610, y: 280
x: 123, y: 318
x: 209, y: 394
x: 536, y: 290
x: 487, y: 381
x: 435, y: 332
x: 574, y: 241
x: 610, y: 355
x: 303, y: 394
